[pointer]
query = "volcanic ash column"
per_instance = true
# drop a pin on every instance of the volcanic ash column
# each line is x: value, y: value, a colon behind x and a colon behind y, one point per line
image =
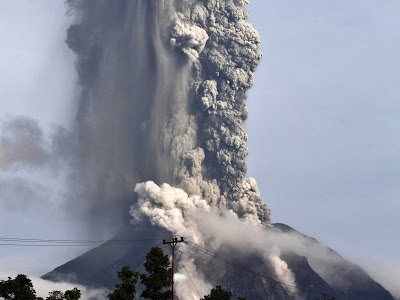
x: 163, y: 100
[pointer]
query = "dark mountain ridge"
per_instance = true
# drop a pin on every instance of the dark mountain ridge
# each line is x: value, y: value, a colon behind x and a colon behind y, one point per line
x: 337, y: 278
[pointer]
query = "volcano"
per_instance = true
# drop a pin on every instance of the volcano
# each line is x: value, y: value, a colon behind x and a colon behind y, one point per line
x: 245, y: 276
x: 160, y: 133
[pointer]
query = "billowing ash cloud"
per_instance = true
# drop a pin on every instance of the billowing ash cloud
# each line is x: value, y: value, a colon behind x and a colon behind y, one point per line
x: 183, y: 215
x: 163, y: 99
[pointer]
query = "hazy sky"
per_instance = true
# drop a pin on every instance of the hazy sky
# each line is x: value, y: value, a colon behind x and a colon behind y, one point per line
x: 323, y: 122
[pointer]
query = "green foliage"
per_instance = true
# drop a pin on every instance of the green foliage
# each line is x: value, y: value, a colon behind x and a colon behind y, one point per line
x: 55, y: 295
x: 74, y: 294
x: 218, y: 293
x: 126, y: 290
x: 158, y: 277
x: 19, y: 288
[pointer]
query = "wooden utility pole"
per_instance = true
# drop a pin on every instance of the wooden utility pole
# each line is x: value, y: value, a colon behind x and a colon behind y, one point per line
x: 173, y: 244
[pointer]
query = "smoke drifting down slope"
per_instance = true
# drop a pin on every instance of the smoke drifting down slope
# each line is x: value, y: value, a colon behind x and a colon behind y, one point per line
x: 163, y: 99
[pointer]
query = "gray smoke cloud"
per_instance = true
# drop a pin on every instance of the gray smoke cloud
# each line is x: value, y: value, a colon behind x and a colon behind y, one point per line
x: 33, y: 163
x: 22, y: 141
x: 163, y: 99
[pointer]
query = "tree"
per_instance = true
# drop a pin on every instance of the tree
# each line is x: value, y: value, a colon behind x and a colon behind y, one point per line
x: 126, y: 290
x: 55, y: 295
x: 19, y: 288
x: 158, y: 277
x: 218, y: 293
x: 74, y: 294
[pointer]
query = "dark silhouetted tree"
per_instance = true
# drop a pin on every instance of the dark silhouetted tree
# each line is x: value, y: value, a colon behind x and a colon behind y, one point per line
x: 218, y: 293
x: 126, y: 290
x: 55, y: 295
x: 19, y: 288
x: 158, y: 278
x: 74, y: 294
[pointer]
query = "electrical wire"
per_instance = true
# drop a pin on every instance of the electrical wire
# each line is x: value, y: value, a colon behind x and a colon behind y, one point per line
x: 189, y: 277
x: 72, y: 241
x: 231, y: 272
x: 203, y: 250
x: 34, y: 242
x: 23, y: 242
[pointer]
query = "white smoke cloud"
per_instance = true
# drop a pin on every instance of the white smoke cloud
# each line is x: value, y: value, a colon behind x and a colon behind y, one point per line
x: 283, y: 273
x: 190, y: 38
x: 43, y: 287
x: 173, y: 209
x: 184, y: 286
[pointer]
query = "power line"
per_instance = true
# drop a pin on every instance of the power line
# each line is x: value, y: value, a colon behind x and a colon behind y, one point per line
x: 189, y: 277
x: 245, y: 277
x: 23, y: 242
x: 71, y: 241
x: 233, y: 273
x: 201, y: 249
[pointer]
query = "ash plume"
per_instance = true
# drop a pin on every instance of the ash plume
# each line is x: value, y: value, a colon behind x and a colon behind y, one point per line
x: 183, y: 215
x: 164, y: 99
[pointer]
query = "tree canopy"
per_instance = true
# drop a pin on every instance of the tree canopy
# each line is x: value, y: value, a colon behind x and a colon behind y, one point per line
x: 218, y: 293
x: 19, y: 288
x: 73, y: 294
x: 126, y: 290
x: 55, y: 295
x: 158, y: 278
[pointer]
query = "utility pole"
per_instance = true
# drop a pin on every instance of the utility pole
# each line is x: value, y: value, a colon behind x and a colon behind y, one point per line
x: 173, y: 244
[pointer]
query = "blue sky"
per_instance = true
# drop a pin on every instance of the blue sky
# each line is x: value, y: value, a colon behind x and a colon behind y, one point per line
x: 323, y: 120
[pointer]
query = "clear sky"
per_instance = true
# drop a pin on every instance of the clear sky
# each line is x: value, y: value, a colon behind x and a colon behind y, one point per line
x: 323, y: 122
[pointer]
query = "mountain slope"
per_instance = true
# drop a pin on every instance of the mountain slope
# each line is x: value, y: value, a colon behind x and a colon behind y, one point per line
x: 315, y: 274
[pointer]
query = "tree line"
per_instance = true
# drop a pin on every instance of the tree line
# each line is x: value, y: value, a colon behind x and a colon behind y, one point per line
x: 156, y: 284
